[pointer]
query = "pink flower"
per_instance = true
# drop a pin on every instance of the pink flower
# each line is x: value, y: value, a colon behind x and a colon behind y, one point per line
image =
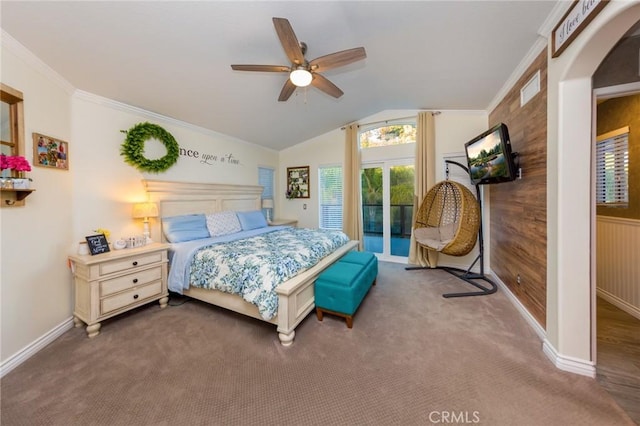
x: 14, y: 162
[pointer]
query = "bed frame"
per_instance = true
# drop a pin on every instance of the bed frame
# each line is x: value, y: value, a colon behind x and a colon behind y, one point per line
x: 295, y: 296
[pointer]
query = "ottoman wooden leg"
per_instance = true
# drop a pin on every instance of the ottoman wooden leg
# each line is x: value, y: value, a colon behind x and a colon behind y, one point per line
x: 319, y: 314
x: 349, y: 319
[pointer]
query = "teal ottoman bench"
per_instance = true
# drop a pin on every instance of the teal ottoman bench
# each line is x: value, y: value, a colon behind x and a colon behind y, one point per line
x: 340, y: 289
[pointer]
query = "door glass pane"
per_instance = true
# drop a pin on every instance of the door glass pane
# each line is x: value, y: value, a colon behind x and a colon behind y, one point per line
x: 372, y: 196
x: 401, y: 208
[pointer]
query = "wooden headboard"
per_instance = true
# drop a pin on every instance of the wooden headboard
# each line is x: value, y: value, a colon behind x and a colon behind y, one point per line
x: 178, y: 198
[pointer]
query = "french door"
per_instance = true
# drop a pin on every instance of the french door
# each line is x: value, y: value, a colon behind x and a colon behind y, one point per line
x: 387, y: 208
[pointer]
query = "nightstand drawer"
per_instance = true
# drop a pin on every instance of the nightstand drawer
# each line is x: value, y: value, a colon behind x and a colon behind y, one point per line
x: 134, y: 279
x: 130, y: 297
x: 129, y: 263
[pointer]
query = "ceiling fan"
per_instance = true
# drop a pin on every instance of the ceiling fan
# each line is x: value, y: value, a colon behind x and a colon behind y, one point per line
x: 302, y: 72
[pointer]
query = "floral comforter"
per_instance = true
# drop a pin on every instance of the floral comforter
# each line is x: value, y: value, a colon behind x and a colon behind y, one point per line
x: 253, y: 267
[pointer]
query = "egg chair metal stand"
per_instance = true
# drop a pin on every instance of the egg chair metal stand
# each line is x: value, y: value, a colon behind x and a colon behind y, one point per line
x: 449, y: 220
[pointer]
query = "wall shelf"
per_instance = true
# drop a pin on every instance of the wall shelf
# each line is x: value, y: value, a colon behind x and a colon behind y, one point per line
x: 14, y: 197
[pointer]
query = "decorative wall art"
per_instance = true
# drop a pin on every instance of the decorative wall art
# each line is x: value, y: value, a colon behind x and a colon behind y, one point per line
x: 50, y: 152
x: 133, y: 148
x: 579, y: 15
x: 298, y: 182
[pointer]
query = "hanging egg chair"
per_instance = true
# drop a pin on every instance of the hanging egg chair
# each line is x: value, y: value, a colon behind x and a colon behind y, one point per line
x: 448, y: 219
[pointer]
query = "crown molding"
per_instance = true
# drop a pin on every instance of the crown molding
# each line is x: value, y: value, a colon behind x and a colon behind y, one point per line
x: 544, y: 33
x: 14, y: 46
x: 553, y: 18
x: 532, y: 54
x: 129, y: 109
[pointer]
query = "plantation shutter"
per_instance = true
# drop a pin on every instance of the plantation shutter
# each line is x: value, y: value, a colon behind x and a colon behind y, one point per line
x: 612, y: 168
x: 330, y: 184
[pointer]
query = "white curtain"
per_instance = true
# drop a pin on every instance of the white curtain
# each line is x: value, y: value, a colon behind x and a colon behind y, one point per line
x: 352, y: 206
x: 425, y: 176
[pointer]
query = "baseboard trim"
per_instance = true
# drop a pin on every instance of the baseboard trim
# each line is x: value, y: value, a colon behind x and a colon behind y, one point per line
x: 566, y: 363
x: 535, y: 325
x: 35, y: 346
x: 618, y: 302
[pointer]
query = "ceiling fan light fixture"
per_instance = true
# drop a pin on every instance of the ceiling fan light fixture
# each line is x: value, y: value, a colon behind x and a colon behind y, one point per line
x: 301, y: 77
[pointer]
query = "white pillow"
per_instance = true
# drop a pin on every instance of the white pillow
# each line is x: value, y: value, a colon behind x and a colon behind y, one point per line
x: 223, y: 223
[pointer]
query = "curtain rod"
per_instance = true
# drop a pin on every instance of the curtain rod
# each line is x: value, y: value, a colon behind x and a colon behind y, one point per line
x: 390, y: 120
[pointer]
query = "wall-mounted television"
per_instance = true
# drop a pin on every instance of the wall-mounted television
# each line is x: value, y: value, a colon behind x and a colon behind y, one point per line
x: 489, y: 157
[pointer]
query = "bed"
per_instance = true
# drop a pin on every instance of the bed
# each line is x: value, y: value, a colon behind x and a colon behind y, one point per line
x: 295, y: 296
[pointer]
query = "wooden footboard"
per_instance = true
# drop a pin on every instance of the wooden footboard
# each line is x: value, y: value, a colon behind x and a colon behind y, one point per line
x: 295, y: 297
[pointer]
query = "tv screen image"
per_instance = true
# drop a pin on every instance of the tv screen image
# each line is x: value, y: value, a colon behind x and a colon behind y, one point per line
x: 489, y: 157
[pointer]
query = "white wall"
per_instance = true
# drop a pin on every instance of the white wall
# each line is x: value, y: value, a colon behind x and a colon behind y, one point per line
x: 617, y: 252
x: 110, y: 186
x: 569, y: 195
x: 35, y: 292
x: 326, y: 149
x: 97, y: 191
x: 453, y: 129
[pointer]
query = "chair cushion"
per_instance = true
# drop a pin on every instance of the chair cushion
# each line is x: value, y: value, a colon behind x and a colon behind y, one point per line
x: 436, y: 238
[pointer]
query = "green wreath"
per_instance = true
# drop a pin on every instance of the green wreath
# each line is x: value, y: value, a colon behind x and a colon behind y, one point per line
x: 133, y: 147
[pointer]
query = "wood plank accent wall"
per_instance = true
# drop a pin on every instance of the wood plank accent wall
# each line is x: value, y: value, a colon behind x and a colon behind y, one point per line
x: 519, y: 208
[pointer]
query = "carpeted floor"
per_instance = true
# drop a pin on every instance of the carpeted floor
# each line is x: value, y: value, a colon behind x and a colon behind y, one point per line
x: 412, y: 358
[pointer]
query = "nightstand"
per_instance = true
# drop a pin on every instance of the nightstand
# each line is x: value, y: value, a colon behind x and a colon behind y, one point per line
x: 111, y: 283
x: 290, y: 222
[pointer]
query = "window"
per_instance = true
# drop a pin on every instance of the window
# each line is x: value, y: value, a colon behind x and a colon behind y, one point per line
x: 394, y: 134
x: 612, y: 168
x: 330, y: 193
x: 265, y: 179
x: 12, y: 132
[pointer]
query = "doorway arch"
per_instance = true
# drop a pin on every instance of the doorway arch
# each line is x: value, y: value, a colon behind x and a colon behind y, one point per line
x: 570, y: 285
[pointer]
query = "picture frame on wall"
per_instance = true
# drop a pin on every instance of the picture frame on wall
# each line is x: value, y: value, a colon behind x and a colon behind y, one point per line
x: 298, y: 182
x: 50, y: 152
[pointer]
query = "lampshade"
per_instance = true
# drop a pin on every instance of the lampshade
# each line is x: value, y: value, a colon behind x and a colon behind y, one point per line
x: 301, y: 77
x: 143, y: 210
x: 267, y: 203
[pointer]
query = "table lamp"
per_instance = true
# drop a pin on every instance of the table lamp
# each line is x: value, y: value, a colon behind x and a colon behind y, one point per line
x: 145, y: 211
x: 267, y: 204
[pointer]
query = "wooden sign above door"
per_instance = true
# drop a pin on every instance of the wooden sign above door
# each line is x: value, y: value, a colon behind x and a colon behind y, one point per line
x: 579, y: 15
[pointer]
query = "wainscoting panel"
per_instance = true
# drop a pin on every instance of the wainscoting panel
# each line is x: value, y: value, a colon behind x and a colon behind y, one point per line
x: 618, y: 262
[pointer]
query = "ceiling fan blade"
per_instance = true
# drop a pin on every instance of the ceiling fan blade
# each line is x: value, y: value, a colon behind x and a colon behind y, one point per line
x: 326, y: 86
x: 287, y: 90
x: 265, y: 68
x: 289, y: 40
x: 338, y: 59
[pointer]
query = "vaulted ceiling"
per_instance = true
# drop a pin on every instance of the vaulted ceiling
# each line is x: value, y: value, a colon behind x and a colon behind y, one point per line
x: 174, y: 57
